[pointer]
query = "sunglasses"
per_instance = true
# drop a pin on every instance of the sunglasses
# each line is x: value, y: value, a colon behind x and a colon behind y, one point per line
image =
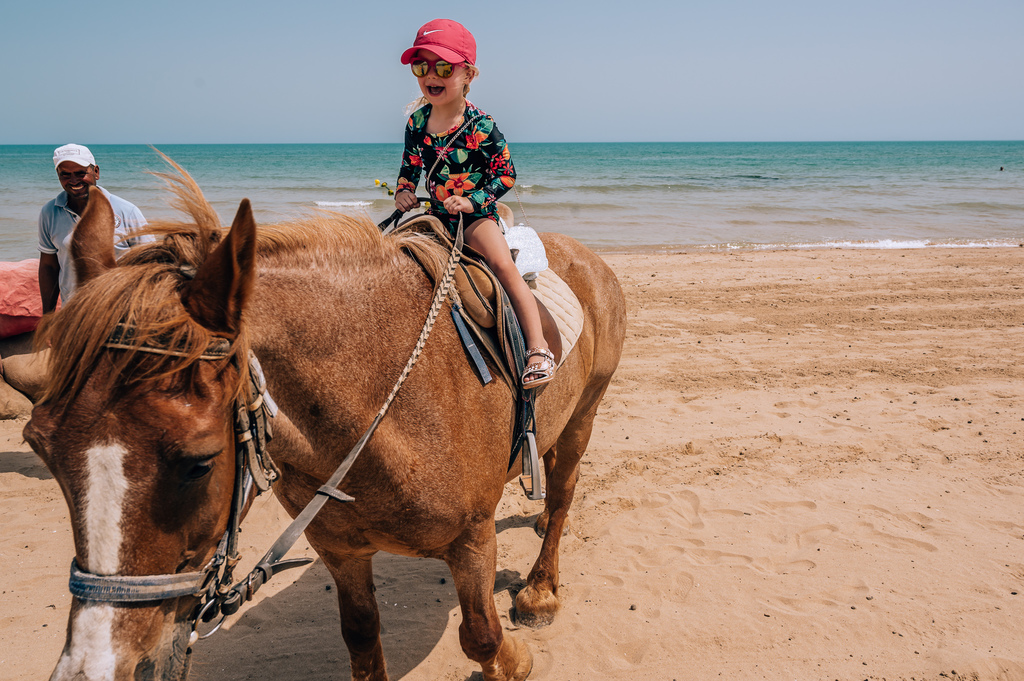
x: 421, y: 67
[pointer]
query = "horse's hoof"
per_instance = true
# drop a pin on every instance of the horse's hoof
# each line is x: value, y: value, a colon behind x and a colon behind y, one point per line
x: 534, y: 608
x: 375, y: 675
x: 514, y: 656
x: 524, y: 664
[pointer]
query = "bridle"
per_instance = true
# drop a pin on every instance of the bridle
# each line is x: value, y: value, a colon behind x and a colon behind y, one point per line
x: 254, y: 469
x: 212, y: 584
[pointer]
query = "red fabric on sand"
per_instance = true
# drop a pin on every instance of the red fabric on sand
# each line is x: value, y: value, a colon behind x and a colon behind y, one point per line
x: 20, y: 304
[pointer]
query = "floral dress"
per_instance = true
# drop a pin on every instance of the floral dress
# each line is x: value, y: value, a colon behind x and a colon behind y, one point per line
x: 476, y: 165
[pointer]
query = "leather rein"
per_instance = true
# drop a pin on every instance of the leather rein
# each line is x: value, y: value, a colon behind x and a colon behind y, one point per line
x: 212, y: 584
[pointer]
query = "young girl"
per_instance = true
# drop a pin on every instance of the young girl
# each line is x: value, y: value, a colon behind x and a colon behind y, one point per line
x: 474, y: 169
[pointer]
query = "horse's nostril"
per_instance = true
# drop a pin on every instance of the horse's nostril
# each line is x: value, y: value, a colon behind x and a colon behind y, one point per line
x: 175, y: 668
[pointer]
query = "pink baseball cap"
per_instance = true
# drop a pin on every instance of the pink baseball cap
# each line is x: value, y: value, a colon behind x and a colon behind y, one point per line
x: 448, y: 39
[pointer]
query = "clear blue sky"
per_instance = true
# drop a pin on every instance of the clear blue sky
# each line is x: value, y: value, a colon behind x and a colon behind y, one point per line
x: 309, y: 71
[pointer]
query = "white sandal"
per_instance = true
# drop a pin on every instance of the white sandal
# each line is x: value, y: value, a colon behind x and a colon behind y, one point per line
x: 544, y: 370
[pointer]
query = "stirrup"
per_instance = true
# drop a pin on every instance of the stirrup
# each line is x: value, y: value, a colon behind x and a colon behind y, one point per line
x: 531, y: 470
x: 546, y: 368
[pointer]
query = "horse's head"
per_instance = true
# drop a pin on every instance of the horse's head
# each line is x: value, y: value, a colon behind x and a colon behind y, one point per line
x: 136, y: 426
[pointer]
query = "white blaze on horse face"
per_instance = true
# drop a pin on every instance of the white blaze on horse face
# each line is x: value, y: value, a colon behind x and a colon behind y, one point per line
x: 106, y: 486
x: 91, y: 654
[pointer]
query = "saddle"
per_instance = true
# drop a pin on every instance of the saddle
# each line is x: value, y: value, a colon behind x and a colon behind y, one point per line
x: 485, y: 309
x: 481, y: 310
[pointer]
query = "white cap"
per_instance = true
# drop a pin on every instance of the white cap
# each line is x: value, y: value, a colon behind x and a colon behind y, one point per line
x: 75, y: 153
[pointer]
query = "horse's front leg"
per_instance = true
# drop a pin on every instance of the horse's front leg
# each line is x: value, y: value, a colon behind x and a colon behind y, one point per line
x: 541, y: 524
x: 472, y: 560
x: 537, y: 603
x: 360, y: 619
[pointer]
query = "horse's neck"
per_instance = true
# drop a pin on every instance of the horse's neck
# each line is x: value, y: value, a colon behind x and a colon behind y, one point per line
x: 331, y: 324
x: 306, y: 302
x: 331, y: 343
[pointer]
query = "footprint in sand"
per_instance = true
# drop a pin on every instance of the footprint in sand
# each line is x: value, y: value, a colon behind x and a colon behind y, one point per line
x: 814, y: 535
x: 734, y: 512
x: 687, y: 505
x: 683, y: 504
x: 894, y: 541
x: 841, y: 597
x: 712, y: 558
x: 655, y: 557
x: 612, y: 580
x: 790, y: 505
x: 802, y: 404
x: 913, y: 520
x: 656, y: 500
x: 772, y: 567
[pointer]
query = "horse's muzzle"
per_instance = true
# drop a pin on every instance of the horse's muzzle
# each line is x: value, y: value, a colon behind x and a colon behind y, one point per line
x: 167, y: 664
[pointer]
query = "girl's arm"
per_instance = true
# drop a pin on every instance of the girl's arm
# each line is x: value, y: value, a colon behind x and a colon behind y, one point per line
x: 409, y: 173
x: 500, y: 171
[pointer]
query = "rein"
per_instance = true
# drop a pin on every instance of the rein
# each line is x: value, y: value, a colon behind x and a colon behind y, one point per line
x: 253, y: 468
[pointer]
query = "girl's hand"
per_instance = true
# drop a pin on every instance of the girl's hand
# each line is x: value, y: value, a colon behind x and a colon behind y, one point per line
x: 406, y: 200
x: 458, y: 204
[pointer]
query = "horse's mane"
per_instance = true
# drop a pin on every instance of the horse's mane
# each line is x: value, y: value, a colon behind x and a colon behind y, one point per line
x: 143, y: 291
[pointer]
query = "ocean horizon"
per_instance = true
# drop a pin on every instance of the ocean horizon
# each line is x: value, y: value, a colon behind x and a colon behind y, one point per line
x: 672, y: 196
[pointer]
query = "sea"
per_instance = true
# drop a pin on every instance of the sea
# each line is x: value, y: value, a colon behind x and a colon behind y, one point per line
x: 619, y: 197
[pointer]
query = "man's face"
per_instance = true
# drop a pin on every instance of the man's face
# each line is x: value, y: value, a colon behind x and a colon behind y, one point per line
x: 77, y: 179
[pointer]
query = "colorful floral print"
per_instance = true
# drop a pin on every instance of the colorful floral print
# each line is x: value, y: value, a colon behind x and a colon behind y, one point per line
x: 476, y: 165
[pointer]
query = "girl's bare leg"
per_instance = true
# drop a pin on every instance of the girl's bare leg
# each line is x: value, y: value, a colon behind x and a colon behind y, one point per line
x: 485, y: 237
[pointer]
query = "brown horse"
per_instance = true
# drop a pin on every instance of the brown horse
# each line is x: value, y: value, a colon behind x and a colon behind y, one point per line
x: 143, y: 447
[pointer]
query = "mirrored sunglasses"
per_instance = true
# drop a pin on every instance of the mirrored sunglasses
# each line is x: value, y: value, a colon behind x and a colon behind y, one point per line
x: 421, y: 67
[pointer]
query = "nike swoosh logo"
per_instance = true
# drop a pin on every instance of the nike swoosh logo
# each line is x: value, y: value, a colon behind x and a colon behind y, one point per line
x: 436, y: 30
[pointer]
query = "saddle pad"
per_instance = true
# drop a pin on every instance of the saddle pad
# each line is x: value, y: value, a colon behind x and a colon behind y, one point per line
x: 564, y: 306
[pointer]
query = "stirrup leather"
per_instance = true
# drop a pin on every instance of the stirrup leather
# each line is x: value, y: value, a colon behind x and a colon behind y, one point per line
x: 531, y: 470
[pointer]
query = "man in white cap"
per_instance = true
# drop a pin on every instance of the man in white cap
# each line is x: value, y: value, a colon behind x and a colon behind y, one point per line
x: 78, y: 173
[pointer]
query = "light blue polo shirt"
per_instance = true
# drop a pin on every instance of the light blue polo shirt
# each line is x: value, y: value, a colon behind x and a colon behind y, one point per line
x: 57, y: 222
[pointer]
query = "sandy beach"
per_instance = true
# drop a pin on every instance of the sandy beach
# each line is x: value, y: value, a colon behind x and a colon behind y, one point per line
x: 808, y: 466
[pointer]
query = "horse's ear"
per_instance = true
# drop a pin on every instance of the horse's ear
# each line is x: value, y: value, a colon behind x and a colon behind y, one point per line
x: 217, y: 296
x: 92, y: 246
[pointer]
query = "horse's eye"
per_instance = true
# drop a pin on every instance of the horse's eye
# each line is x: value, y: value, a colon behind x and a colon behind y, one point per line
x: 198, y: 470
